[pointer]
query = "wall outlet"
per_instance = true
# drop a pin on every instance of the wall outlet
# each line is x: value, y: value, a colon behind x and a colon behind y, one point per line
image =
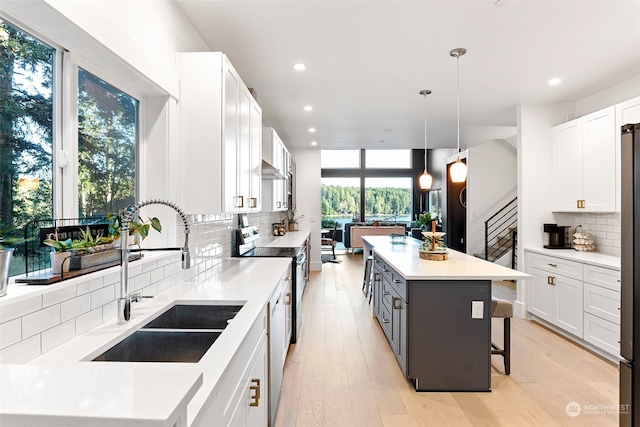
x: 477, y: 309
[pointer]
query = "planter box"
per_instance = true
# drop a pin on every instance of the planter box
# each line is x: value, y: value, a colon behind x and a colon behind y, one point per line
x: 80, y: 262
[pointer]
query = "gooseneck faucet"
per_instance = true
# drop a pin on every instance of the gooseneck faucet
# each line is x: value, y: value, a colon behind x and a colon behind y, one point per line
x: 124, y: 297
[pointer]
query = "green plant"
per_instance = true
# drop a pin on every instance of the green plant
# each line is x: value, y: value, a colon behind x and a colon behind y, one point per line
x: 290, y: 216
x: 6, y: 239
x: 87, y: 243
x: 135, y: 227
x: 424, y: 219
x: 59, y: 245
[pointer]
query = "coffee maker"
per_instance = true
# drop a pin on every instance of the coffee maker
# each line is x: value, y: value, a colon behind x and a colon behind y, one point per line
x: 559, y: 236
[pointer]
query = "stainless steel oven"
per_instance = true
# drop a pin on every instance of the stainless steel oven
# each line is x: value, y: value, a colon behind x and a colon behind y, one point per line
x: 245, y: 247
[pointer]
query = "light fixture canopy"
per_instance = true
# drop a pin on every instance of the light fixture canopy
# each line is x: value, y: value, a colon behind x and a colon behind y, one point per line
x: 425, y: 179
x: 458, y: 170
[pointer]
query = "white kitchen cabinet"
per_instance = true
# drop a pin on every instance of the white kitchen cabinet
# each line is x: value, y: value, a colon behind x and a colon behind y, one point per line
x: 554, y: 295
x: 274, y: 187
x: 218, y: 142
x: 602, y: 308
x: 584, y: 163
x: 627, y: 112
x: 581, y: 298
x: 253, y: 406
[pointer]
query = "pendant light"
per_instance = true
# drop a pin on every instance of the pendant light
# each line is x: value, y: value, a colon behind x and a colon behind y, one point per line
x: 458, y: 170
x: 425, y: 179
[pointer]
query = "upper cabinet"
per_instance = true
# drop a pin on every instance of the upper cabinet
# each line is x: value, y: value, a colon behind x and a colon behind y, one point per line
x: 627, y: 112
x: 584, y: 163
x: 219, y: 137
x: 276, y: 171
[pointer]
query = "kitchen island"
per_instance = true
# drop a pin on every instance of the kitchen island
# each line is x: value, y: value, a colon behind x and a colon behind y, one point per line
x: 64, y: 387
x: 436, y: 314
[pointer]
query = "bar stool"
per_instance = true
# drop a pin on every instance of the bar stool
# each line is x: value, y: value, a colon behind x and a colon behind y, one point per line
x: 501, y: 308
x: 366, y: 280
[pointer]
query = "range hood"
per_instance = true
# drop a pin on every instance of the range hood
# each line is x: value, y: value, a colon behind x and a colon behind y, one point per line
x: 271, y: 172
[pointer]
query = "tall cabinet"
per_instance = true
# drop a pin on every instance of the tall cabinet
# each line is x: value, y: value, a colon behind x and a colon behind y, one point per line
x: 219, y: 137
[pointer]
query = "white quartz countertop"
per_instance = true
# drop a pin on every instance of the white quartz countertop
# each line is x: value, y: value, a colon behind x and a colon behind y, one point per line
x: 593, y: 258
x: 144, y: 394
x: 404, y: 258
x: 94, y: 395
x: 291, y: 239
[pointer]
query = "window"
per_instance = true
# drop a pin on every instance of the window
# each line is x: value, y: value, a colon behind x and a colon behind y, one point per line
x: 30, y: 131
x: 107, y: 139
x: 388, y: 159
x: 381, y: 188
x: 339, y: 159
x: 340, y: 201
x: 26, y: 130
x: 387, y: 199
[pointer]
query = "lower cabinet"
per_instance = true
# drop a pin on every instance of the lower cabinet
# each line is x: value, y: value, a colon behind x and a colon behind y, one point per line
x: 436, y: 341
x: 253, y: 406
x: 580, y: 298
x: 241, y: 395
x: 391, y: 310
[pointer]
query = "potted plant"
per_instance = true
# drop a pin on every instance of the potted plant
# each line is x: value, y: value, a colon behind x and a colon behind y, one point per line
x: 291, y: 219
x: 6, y: 254
x: 89, y: 251
x: 61, y: 251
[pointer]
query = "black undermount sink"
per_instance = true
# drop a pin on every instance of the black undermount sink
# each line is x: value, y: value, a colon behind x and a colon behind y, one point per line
x: 191, y: 316
x: 182, y: 334
x: 160, y: 346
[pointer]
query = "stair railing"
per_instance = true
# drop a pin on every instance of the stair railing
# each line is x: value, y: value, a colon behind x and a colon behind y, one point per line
x: 500, y: 232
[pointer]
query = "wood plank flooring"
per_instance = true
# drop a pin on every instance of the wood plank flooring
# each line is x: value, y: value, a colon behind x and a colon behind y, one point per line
x: 342, y: 372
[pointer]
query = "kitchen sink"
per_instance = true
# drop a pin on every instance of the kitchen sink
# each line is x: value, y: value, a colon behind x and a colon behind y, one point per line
x: 191, y: 316
x: 160, y: 346
x: 183, y: 333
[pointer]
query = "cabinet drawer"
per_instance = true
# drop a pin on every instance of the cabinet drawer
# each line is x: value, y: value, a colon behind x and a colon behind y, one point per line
x: 387, y: 293
x: 399, y: 285
x: 602, y: 333
x: 385, y: 321
x: 555, y: 265
x: 605, y: 277
x: 602, y: 302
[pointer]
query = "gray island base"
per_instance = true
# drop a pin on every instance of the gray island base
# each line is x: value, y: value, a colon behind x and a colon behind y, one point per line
x: 435, y: 314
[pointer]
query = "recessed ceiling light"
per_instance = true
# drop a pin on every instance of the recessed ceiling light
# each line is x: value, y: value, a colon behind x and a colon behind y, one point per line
x: 312, y: 130
x: 314, y: 143
x: 555, y: 81
x: 308, y: 108
x: 299, y: 66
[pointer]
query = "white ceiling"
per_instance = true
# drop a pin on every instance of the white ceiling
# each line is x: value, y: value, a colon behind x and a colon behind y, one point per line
x: 368, y: 60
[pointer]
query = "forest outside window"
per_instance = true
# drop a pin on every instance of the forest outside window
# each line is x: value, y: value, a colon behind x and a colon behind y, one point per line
x: 31, y: 118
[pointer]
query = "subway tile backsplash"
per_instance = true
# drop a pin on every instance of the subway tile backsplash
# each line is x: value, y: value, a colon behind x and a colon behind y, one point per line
x: 31, y: 326
x: 605, y: 228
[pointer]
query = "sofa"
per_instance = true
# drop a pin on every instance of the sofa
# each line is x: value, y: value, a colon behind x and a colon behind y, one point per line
x: 354, y: 240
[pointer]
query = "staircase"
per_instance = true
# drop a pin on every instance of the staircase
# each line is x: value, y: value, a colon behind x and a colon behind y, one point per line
x: 501, y: 234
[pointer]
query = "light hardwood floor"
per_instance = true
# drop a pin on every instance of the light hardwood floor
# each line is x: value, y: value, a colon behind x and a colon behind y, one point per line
x: 342, y: 372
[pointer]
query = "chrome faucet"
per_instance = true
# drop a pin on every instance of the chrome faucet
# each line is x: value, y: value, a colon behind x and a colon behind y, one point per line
x: 124, y: 297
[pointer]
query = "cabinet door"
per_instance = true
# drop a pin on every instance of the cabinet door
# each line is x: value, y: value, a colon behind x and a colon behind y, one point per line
x: 569, y: 311
x: 243, y: 162
x: 377, y: 291
x: 567, y: 165
x: 230, y: 139
x: 399, y: 331
x: 258, y: 406
x: 288, y: 306
x: 599, y: 161
x: 541, y: 295
x: 255, y: 165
